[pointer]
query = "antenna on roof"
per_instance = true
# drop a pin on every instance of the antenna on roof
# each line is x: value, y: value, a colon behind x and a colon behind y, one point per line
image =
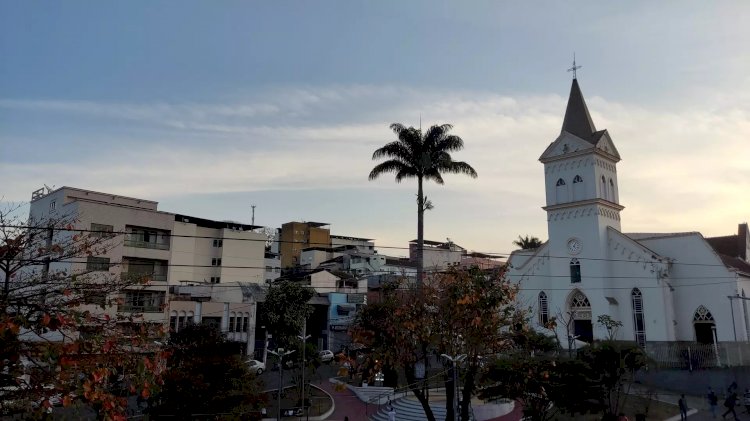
x: 574, y: 68
x: 253, y: 220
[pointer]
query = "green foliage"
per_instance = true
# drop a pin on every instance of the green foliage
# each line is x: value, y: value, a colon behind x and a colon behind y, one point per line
x: 206, y: 376
x: 530, y: 340
x: 287, y: 310
x: 610, y: 324
x: 595, y: 381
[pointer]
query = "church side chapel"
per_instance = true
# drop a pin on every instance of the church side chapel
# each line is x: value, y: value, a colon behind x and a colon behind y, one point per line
x: 662, y: 287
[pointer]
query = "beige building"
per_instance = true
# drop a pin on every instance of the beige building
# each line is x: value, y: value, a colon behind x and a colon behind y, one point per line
x: 296, y: 236
x: 153, y: 248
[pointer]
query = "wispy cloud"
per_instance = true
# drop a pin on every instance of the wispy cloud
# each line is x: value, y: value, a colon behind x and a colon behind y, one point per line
x: 678, y: 165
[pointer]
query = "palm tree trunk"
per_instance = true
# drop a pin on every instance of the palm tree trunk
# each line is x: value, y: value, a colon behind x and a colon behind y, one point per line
x: 420, y: 233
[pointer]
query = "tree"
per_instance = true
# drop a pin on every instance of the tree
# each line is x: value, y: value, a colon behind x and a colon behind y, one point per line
x: 528, y: 242
x: 424, y: 157
x: 611, y: 325
x: 457, y: 312
x: 63, y: 336
x: 474, y: 311
x: 206, y: 376
x: 286, y: 310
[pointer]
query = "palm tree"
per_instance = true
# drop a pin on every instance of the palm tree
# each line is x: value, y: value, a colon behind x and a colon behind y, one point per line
x: 528, y: 242
x: 424, y: 157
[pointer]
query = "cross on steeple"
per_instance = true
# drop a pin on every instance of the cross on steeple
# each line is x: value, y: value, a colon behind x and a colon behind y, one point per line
x: 574, y: 68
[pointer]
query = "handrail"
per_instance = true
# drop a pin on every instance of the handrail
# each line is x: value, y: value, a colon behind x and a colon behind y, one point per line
x: 402, y: 389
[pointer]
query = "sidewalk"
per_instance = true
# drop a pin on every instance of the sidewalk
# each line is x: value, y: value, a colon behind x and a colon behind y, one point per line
x: 347, y: 404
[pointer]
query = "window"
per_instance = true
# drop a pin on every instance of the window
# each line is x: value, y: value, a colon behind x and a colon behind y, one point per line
x: 218, y: 242
x: 52, y: 205
x: 101, y: 230
x: 269, y: 269
x: 578, y: 192
x: 143, y: 301
x: 97, y: 264
x: 577, y: 179
x: 611, y: 190
x: 575, y: 271
x: 173, y: 323
x: 639, y: 325
x: 231, y: 324
x: 543, y: 310
x: 560, y: 182
x: 604, y: 188
x: 215, y: 279
x: 244, y: 323
x: 216, y: 261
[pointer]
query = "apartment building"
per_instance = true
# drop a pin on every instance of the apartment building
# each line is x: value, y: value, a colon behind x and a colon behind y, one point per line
x: 154, y: 249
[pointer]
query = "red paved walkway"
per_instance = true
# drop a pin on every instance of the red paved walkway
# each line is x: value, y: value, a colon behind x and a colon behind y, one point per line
x: 347, y: 404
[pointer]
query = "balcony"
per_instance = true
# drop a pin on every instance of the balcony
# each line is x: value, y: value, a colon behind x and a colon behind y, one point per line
x: 138, y: 240
x: 143, y: 277
x: 143, y: 302
x: 136, y: 308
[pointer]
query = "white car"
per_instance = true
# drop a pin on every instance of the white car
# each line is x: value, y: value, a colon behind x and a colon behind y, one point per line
x: 258, y: 367
x: 326, y: 356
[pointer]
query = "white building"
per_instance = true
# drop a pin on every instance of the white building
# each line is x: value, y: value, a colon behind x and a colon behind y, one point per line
x: 437, y: 255
x: 662, y: 287
x: 160, y: 248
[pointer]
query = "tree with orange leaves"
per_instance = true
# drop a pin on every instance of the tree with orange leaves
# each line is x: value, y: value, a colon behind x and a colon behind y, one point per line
x: 63, y: 342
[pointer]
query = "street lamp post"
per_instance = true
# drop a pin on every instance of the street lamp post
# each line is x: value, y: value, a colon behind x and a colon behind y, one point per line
x: 454, y: 361
x: 281, y: 354
x: 304, y: 337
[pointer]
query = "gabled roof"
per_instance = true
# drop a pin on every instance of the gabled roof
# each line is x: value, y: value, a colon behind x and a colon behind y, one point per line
x: 577, y: 118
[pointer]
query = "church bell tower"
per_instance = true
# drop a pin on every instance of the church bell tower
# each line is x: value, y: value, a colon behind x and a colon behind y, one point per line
x: 580, y: 173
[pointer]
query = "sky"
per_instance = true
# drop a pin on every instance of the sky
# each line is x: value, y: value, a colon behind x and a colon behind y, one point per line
x: 211, y: 107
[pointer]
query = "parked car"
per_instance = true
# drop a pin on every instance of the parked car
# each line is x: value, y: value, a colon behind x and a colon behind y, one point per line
x: 326, y: 356
x: 256, y: 366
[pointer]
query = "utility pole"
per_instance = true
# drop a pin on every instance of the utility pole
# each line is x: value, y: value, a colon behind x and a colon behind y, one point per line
x: 304, y: 337
x: 455, y: 360
x: 281, y: 354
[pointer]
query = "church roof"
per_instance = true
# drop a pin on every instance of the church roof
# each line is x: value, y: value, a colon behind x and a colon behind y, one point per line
x: 577, y: 118
x: 735, y: 263
x: 650, y: 235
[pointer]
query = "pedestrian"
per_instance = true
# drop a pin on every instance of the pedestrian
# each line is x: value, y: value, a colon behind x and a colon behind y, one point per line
x: 391, y: 413
x: 747, y: 400
x: 682, y: 403
x: 713, y: 401
x: 730, y: 403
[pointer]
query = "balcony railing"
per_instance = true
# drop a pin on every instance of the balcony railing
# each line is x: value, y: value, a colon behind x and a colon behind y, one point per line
x: 130, y: 276
x: 135, y: 241
x: 138, y: 308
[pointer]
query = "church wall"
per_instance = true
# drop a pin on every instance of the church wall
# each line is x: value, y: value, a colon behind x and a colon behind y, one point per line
x: 698, y: 278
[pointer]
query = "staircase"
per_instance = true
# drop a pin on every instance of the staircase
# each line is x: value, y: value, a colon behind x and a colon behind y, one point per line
x: 409, y: 409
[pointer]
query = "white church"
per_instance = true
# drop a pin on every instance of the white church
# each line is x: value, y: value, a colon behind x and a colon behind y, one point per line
x: 661, y: 286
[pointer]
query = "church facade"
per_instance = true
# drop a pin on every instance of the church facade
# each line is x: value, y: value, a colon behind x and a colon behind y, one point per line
x: 660, y: 286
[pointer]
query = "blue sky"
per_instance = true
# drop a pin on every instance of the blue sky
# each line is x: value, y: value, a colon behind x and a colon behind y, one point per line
x: 208, y: 107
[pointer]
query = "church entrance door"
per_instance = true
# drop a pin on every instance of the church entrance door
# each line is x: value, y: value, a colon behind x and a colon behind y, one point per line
x: 580, y: 311
x: 584, y: 330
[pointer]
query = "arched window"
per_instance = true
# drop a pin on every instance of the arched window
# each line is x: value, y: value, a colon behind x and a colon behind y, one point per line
x: 604, y: 188
x: 561, y: 191
x: 578, y: 189
x: 231, y: 323
x: 173, y: 321
x: 543, y: 309
x: 639, y: 325
x: 575, y: 271
x: 704, y: 324
x: 612, y: 195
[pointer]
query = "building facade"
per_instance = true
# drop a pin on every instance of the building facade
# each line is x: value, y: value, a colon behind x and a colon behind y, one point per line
x: 661, y: 286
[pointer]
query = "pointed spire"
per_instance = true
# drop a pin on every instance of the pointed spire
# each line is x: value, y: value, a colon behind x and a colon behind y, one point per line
x: 577, y: 118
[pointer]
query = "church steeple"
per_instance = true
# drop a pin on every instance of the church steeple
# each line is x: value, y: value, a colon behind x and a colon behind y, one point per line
x: 577, y: 118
